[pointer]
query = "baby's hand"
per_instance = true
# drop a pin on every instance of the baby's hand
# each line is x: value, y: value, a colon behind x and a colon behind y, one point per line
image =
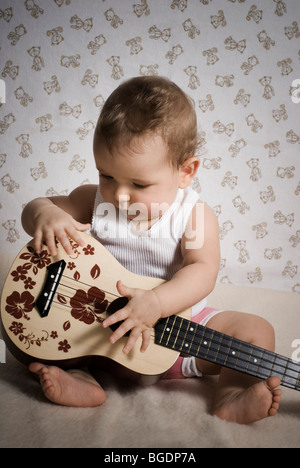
x: 139, y: 315
x: 54, y: 223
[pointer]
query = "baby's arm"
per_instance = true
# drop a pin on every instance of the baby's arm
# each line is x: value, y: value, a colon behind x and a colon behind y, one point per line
x: 197, y: 276
x: 194, y: 281
x: 59, y: 217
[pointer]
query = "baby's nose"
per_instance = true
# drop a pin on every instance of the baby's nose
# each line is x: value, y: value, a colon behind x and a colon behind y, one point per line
x: 123, y: 200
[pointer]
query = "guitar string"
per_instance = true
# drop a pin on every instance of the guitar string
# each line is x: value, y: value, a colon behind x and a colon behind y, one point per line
x: 86, y: 284
x: 84, y: 297
x: 182, y: 334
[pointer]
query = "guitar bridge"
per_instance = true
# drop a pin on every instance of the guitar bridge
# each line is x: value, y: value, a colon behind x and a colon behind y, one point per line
x: 45, y: 299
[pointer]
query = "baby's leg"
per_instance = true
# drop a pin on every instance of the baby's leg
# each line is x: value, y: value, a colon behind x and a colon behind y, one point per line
x: 73, y: 388
x: 241, y: 398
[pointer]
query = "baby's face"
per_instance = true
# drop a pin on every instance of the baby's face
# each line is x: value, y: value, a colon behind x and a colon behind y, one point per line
x: 139, y: 179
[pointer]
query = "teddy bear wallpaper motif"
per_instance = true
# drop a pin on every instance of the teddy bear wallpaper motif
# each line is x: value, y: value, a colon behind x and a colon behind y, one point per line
x: 239, y: 60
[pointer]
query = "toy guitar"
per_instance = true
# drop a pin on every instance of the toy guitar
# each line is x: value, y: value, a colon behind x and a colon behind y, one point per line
x: 52, y: 309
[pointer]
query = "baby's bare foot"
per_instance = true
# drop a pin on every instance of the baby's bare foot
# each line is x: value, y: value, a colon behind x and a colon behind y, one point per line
x: 247, y: 406
x: 74, y: 388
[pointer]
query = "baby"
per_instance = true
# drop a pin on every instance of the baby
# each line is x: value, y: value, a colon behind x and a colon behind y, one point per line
x: 144, y: 147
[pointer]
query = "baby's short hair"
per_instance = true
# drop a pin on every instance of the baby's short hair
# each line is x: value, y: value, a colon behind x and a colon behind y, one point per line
x: 149, y: 105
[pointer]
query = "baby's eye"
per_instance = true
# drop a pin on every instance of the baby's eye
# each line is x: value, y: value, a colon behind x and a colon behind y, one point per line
x: 139, y: 186
x: 106, y: 177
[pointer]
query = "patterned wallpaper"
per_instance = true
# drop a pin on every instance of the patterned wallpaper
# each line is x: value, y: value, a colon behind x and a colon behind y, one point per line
x: 238, y: 59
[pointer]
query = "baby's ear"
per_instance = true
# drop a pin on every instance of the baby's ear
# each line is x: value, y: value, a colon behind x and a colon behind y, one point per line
x: 188, y: 171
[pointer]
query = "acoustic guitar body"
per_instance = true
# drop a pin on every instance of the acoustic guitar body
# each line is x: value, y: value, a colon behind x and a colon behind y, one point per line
x: 52, y: 309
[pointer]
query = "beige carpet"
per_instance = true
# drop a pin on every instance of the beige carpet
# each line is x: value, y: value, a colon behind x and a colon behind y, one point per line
x: 171, y: 414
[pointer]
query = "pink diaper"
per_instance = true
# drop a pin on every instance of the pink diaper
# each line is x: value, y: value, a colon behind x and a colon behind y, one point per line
x: 176, y: 371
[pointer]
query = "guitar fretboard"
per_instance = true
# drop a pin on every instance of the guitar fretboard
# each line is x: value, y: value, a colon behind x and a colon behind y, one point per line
x: 196, y: 340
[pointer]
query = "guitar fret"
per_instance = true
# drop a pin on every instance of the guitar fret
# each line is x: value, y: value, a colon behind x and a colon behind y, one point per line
x: 188, y: 339
x: 245, y: 357
x: 200, y: 340
x: 249, y: 360
x: 272, y: 370
x: 217, y: 353
x: 165, y: 328
x: 203, y: 344
x: 239, y: 360
x: 214, y: 350
x: 218, y: 350
x: 297, y: 386
x: 170, y: 331
x: 210, y: 343
x: 225, y: 346
x: 193, y: 330
x: 257, y: 357
x: 267, y: 365
x: 232, y: 357
x: 279, y: 367
x: 207, y: 341
x: 175, y: 342
x: 285, y: 377
x: 180, y: 336
x: 226, y: 358
x: 294, y: 369
x: 252, y: 360
x: 260, y: 372
x: 291, y: 380
x: 190, y: 335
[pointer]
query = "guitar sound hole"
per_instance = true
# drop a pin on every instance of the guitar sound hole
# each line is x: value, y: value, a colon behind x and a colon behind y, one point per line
x: 116, y: 305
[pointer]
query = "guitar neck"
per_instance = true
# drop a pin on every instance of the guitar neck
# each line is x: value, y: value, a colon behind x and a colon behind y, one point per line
x: 196, y: 340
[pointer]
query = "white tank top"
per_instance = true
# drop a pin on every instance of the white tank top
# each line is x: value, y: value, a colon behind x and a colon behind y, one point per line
x: 156, y: 252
